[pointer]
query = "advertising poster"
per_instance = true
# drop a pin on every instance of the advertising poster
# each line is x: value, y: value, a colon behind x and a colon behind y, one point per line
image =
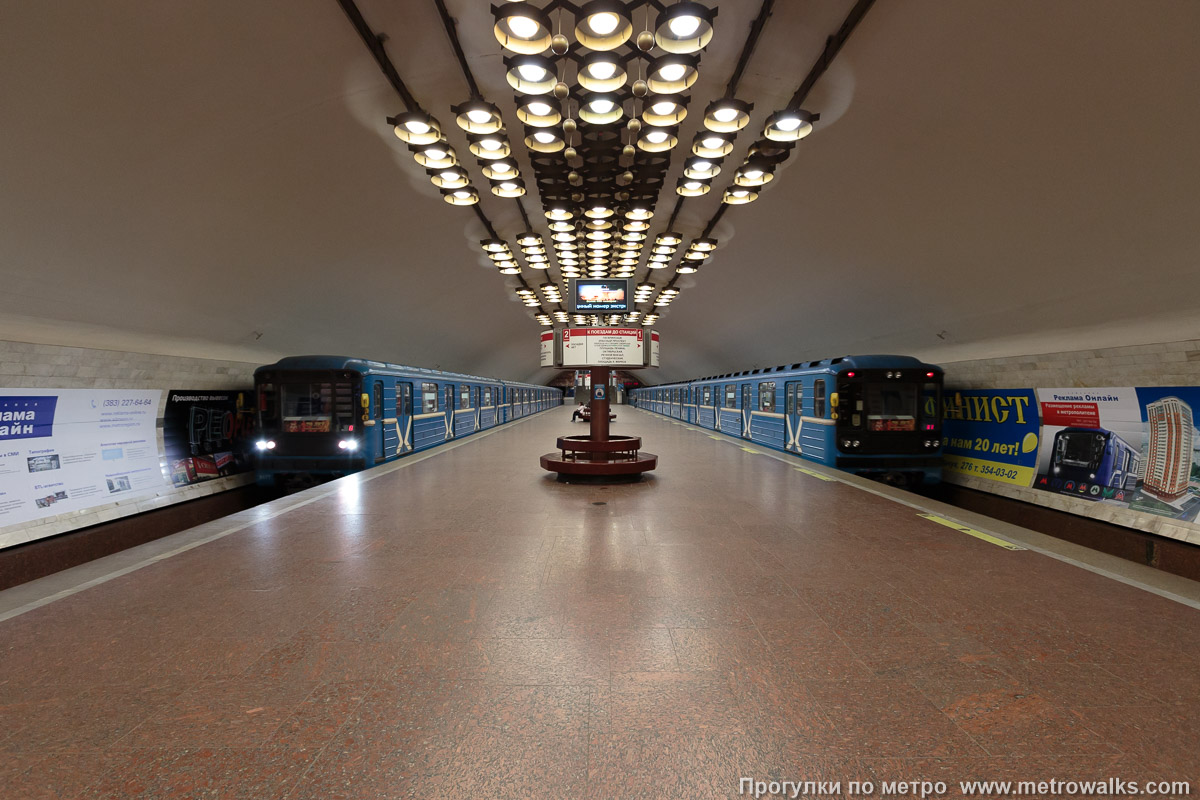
x: 547, y: 352
x: 1092, y: 443
x: 207, y: 435
x: 1170, y: 471
x: 991, y: 433
x: 72, y: 449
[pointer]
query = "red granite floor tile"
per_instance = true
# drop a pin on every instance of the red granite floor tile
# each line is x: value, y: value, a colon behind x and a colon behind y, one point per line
x: 229, y: 774
x: 576, y: 661
x: 242, y: 712
x: 95, y: 718
x: 650, y: 765
x: 1007, y: 722
x: 441, y: 614
x: 319, y: 716
x: 524, y: 614
x: 61, y: 775
x: 671, y: 703
x: 305, y: 660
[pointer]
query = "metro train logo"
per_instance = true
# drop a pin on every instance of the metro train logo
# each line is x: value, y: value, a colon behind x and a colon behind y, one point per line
x: 27, y: 417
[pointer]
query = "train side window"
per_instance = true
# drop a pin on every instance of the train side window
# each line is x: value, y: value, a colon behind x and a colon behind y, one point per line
x: 730, y: 395
x: 819, y: 398
x: 766, y: 396
x: 487, y: 395
x: 429, y: 398
x: 464, y: 397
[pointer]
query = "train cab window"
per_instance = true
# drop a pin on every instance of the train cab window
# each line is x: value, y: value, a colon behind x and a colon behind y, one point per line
x: 766, y: 396
x: 377, y: 400
x: 730, y: 395
x: 819, y: 398
x: 464, y: 397
x: 307, y: 407
x: 429, y: 398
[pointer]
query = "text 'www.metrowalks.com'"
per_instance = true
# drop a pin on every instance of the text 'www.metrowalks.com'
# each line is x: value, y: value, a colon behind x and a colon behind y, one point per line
x: 1107, y: 787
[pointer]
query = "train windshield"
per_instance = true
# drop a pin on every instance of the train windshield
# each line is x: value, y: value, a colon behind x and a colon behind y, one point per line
x: 892, y: 406
x: 1080, y: 448
x: 307, y: 407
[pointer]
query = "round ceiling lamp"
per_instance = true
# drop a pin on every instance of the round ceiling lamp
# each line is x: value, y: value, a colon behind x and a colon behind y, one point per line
x: 500, y: 170
x: 478, y: 116
x: 656, y: 140
x: 460, y: 197
x: 664, y: 110
x: 489, y: 146
x: 789, y: 126
x: 600, y: 109
x: 755, y: 172
x: 672, y: 74
x: 438, y: 155
x: 603, y: 25
x: 712, y: 145
x: 739, y: 196
x: 706, y: 245
x: 452, y: 178
x: 559, y: 214
x: 691, y: 187
x: 700, y: 169
x: 684, y: 27
x: 415, y: 127
x: 510, y: 188
x: 546, y: 140
x: 537, y: 113
x: 602, y: 72
x: 530, y: 74
x: 522, y: 28
x: 727, y: 115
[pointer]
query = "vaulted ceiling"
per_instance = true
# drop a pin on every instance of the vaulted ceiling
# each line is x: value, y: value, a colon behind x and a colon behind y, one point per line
x: 219, y: 179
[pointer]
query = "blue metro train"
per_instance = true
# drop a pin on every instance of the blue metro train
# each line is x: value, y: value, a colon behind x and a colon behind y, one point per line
x: 1094, y: 457
x: 879, y: 416
x: 331, y: 415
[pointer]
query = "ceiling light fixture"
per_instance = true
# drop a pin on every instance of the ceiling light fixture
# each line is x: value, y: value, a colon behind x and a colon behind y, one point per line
x: 727, y: 115
x: 530, y: 74
x: 789, y: 125
x: 600, y: 109
x: 684, y: 27
x: 672, y: 74
x: 460, y: 197
x: 415, y: 127
x: 712, y: 145
x: 602, y: 72
x: 664, y: 110
x: 537, y: 113
x: 478, y: 116
x: 522, y: 28
x: 603, y: 25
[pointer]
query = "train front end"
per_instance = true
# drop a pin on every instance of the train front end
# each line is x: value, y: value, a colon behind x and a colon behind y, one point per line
x: 888, y: 419
x: 308, y: 422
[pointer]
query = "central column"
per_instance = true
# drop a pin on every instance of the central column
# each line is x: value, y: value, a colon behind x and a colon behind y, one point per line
x: 599, y: 404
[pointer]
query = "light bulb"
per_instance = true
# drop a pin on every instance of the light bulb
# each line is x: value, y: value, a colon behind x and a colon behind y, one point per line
x: 672, y: 72
x: 543, y: 137
x: 479, y: 116
x: 692, y: 186
x: 753, y: 174
x: 532, y: 73
x: 435, y: 153
x: 787, y: 123
x: 523, y: 27
x: 725, y: 114
x: 663, y: 107
x: 602, y: 70
x: 538, y: 108
x: 684, y: 26
x: 462, y: 194
x: 416, y: 126
x: 508, y: 186
x: 702, y: 166
x: 449, y: 175
x: 601, y: 106
x: 713, y: 143
x: 606, y: 22
x: 656, y: 137
x: 490, y: 144
x: 501, y: 167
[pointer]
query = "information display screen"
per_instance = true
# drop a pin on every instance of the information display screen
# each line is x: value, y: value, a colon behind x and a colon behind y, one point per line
x: 607, y: 295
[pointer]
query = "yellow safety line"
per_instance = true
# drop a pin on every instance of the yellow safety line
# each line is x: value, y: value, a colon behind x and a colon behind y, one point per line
x: 748, y: 450
x: 815, y: 474
x: 971, y: 532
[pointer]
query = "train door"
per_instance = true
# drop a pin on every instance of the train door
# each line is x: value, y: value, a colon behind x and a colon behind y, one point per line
x: 377, y: 419
x: 449, y: 411
x: 747, y: 411
x: 404, y: 410
x: 478, y: 408
x: 791, y: 411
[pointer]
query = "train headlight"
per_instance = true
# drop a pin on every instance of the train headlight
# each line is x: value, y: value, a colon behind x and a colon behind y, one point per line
x: 265, y: 444
x: 1092, y: 476
x: 348, y: 444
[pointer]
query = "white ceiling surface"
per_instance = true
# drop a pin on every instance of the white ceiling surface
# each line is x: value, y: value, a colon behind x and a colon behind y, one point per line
x: 217, y: 179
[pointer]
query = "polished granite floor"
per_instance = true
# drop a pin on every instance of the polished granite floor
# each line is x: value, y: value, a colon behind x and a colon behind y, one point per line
x: 466, y: 627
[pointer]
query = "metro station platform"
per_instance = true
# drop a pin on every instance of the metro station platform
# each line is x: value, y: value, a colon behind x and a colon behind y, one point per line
x: 460, y: 625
